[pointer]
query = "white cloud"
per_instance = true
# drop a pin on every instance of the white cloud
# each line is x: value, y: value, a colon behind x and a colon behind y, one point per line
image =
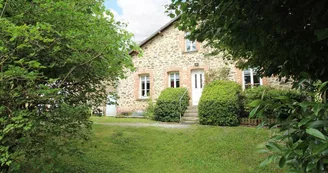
x: 142, y: 16
x: 116, y: 15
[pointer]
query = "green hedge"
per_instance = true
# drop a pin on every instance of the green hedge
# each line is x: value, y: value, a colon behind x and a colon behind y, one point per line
x: 220, y: 103
x: 167, y: 107
x: 269, y: 93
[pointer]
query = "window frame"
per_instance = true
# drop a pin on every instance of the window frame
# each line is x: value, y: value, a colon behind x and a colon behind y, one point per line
x: 141, y: 79
x: 192, y: 44
x: 174, y: 79
x: 251, y: 72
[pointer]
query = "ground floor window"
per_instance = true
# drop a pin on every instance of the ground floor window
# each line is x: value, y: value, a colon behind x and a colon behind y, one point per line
x: 251, y: 78
x: 174, y: 80
x: 144, y: 86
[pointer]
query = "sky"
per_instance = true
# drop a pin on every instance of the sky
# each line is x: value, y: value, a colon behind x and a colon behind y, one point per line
x: 143, y: 17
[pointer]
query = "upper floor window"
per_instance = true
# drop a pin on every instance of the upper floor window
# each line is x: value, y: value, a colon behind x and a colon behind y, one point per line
x: 144, y: 86
x: 251, y: 78
x: 174, y: 80
x: 190, y: 45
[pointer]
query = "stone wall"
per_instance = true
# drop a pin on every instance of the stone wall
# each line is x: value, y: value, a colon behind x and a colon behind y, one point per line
x: 282, y: 84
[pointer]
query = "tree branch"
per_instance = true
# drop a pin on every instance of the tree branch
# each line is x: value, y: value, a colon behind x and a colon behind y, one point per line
x: 4, y: 7
x: 73, y: 68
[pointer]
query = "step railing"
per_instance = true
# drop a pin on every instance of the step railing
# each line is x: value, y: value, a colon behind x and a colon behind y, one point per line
x: 180, y: 99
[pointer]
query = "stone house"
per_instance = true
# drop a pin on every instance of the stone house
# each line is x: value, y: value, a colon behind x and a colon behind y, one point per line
x: 170, y: 60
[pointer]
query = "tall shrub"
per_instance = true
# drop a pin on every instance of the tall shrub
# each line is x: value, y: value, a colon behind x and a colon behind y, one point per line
x: 57, y: 59
x: 220, y: 103
x: 301, y: 141
x: 271, y: 94
x: 168, y: 108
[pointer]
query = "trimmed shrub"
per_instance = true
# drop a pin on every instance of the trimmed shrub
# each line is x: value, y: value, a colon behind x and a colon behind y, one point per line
x: 167, y: 107
x: 220, y: 103
x: 268, y: 93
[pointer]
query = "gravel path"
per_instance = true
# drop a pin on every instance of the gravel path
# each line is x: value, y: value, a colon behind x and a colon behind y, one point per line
x: 165, y: 125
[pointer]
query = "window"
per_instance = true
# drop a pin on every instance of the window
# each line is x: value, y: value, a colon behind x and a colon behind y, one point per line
x: 144, y: 86
x: 174, y: 80
x: 250, y: 78
x: 190, y: 45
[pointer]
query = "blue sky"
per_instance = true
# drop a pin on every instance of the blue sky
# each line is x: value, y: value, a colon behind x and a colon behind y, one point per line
x: 143, y: 17
x: 112, y: 4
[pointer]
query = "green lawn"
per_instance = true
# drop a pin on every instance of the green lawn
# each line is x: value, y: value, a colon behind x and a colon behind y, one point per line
x: 119, y: 120
x: 152, y: 149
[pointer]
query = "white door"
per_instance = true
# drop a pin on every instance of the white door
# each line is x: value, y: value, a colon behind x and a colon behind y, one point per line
x: 197, y: 82
x: 111, y: 108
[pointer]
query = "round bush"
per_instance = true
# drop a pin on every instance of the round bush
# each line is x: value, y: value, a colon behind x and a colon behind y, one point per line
x: 220, y: 103
x: 167, y: 107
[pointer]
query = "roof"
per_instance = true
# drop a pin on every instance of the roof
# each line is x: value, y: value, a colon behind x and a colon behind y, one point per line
x: 158, y: 32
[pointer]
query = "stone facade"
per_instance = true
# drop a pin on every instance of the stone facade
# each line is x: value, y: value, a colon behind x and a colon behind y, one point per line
x: 282, y: 84
x: 162, y: 54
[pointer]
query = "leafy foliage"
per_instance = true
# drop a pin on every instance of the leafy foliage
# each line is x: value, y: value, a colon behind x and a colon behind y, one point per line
x: 301, y: 141
x: 283, y: 38
x: 273, y: 94
x: 220, y: 103
x: 168, y: 108
x: 56, y: 60
x: 149, y: 112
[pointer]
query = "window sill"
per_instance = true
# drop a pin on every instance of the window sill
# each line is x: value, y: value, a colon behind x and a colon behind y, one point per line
x: 144, y: 99
x: 192, y: 51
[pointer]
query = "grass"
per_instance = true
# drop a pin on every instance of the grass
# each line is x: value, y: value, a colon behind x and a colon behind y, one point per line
x: 151, y: 149
x: 119, y: 120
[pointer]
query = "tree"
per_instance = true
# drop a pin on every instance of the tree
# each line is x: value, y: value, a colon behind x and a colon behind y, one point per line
x: 285, y: 38
x: 56, y: 60
x: 282, y: 37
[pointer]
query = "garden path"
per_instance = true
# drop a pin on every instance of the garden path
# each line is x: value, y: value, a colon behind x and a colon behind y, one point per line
x: 165, y: 125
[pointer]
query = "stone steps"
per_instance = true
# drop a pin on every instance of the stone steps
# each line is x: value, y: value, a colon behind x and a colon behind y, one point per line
x: 190, y: 116
x: 192, y: 109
